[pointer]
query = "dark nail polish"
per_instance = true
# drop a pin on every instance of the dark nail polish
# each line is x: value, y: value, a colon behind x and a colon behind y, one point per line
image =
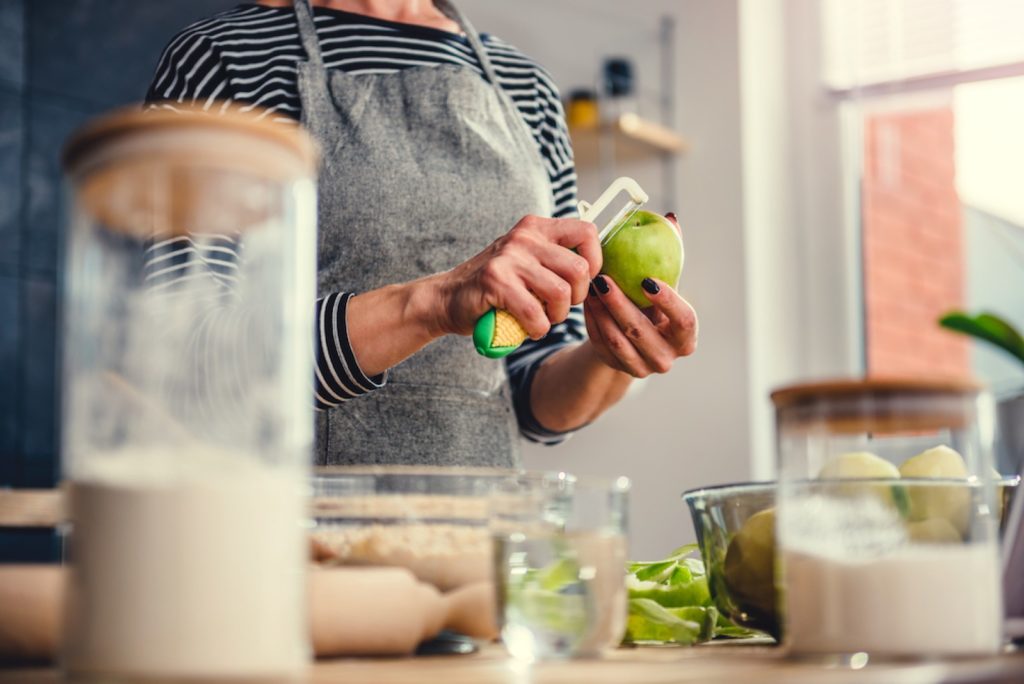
x: 593, y: 292
x: 671, y: 216
x: 601, y: 284
x: 650, y: 286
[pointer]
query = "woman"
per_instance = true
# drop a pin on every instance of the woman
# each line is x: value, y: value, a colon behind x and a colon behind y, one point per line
x: 435, y: 142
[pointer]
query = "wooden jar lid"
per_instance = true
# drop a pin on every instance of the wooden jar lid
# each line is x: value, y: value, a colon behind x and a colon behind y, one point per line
x: 878, y: 404
x: 871, y: 386
x: 160, y: 172
x: 133, y: 121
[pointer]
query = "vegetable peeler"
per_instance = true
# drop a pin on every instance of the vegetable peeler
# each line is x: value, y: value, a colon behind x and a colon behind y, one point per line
x: 497, y: 333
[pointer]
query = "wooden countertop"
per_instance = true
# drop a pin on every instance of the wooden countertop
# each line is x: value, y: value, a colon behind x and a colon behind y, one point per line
x: 726, y: 662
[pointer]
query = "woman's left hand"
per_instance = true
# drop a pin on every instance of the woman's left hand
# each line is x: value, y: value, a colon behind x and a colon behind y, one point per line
x: 639, y: 341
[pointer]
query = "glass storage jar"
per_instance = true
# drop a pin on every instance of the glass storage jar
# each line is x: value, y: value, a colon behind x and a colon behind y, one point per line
x: 887, y: 526
x: 188, y: 298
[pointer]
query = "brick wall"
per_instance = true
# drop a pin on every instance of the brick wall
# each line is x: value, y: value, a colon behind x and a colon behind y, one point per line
x: 913, y: 244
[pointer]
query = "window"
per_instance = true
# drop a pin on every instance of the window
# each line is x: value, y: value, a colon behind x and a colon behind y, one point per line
x: 934, y: 93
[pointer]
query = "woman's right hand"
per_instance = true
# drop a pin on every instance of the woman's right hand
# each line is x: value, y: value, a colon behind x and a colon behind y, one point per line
x: 531, y: 272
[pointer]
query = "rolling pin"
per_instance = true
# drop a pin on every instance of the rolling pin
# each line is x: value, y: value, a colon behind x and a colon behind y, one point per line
x: 352, y: 611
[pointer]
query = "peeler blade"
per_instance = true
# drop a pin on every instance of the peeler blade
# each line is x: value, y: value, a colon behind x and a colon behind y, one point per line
x: 618, y: 221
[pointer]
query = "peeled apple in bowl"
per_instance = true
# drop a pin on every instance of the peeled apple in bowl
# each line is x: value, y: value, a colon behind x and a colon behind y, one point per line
x: 933, y: 531
x: 864, y: 465
x: 647, y: 245
x: 749, y: 568
x: 858, y: 465
x: 948, y: 502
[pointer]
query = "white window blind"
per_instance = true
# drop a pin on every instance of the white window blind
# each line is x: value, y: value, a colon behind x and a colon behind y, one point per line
x: 870, y: 42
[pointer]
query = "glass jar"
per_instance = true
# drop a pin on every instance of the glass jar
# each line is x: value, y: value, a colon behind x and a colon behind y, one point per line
x: 887, y: 525
x: 189, y: 288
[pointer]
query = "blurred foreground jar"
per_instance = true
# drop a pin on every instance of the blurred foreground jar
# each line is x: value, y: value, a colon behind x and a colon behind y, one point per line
x: 887, y: 522
x: 187, y: 413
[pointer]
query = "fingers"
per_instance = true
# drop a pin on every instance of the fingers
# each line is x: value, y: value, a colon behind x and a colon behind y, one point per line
x: 674, y: 316
x: 611, y: 344
x: 671, y: 216
x: 550, y: 288
x: 538, y: 251
x: 569, y: 266
x: 508, y: 291
x: 657, y: 352
x: 528, y: 310
x: 572, y: 233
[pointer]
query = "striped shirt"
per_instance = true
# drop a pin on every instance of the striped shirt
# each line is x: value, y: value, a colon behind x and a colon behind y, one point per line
x: 248, y: 55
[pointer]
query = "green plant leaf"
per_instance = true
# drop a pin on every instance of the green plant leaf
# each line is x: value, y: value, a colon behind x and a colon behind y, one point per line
x: 988, y: 327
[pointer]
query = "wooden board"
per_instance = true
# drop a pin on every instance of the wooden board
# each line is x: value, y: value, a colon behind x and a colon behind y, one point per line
x: 725, y: 662
x: 31, y: 507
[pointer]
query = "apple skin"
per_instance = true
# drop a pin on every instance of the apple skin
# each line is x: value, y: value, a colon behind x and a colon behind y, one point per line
x: 647, y: 246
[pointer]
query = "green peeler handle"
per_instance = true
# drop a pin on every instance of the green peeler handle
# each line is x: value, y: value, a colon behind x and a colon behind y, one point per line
x: 483, y: 334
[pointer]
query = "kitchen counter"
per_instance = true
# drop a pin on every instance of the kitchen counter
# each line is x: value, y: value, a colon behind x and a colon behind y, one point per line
x: 727, y: 662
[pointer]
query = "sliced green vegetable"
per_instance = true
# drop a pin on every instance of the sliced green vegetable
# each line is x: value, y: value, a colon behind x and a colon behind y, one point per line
x: 649, y: 621
x: 705, y: 616
x: 656, y: 572
x: 557, y: 575
x: 680, y: 575
x: 670, y: 602
x: 694, y: 593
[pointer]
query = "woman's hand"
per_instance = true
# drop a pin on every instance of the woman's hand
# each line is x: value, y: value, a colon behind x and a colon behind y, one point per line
x: 639, y: 341
x: 531, y: 272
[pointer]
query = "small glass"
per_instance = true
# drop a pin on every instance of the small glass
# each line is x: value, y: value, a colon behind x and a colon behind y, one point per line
x: 560, y: 559
x: 887, y: 525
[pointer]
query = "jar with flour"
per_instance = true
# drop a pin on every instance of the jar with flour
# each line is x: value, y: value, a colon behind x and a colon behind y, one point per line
x: 187, y: 417
x: 887, y: 526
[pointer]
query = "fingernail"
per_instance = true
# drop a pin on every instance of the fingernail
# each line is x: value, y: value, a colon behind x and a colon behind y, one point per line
x: 671, y: 216
x: 593, y: 292
x: 650, y: 286
x: 601, y: 284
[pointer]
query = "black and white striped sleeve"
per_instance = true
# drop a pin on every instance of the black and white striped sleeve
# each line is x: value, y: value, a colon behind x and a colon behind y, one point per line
x: 338, y: 375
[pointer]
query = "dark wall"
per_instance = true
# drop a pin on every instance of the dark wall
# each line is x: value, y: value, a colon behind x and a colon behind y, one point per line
x: 61, y: 62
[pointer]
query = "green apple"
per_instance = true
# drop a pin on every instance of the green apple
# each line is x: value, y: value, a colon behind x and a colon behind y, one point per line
x: 858, y: 465
x: 950, y: 502
x: 647, y: 245
x: 749, y: 568
x: 864, y: 465
x: 940, y: 461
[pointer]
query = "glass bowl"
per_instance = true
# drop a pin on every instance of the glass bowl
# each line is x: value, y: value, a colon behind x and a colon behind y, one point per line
x: 432, y: 521
x: 741, y: 575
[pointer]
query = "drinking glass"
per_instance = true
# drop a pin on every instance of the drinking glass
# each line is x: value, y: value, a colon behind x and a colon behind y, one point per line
x: 560, y: 560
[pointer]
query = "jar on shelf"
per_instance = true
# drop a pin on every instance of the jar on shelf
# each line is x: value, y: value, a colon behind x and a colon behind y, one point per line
x: 581, y: 112
x: 887, y: 522
x: 189, y: 288
x: 619, y: 79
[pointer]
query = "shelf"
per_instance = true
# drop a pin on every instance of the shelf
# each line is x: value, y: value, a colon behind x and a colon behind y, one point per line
x: 631, y: 137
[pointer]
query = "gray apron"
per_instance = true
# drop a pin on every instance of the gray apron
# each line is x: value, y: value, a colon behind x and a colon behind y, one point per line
x: 422, y: 169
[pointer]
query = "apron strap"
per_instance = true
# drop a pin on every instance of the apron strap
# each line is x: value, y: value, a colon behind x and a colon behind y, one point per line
x: 453, y: 13
x: 307, y: 32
